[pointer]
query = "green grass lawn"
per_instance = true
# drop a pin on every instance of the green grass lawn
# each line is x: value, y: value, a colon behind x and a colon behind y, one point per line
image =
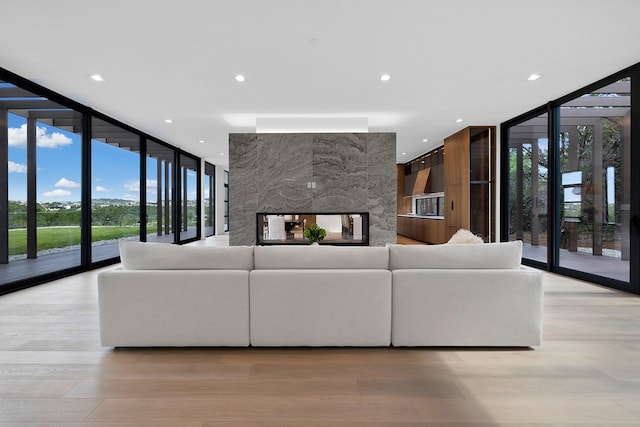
x: 59, y: 237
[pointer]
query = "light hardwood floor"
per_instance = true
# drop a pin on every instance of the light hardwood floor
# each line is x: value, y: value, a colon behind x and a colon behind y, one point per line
x: 53, y: 372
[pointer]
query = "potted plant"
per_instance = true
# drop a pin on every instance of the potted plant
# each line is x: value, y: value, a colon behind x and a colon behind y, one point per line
x: 314, y: 233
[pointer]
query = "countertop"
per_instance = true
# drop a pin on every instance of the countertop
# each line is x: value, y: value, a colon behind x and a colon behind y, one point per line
x: 421, y: 216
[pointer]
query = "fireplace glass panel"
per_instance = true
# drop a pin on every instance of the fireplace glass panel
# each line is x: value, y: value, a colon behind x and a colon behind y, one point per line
x: 288, y: 228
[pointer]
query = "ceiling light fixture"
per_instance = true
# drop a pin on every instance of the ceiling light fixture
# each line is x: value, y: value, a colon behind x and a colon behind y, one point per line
x: 240, y: 78
x: 533, y: 77
x: 168, y: 121
x: 425, y: 140
x: 385, y: 77
x: 459, y: 121
x: 96, y: 77
x: 404, y: 154
x: 201, y: 141
x: 222, y: 154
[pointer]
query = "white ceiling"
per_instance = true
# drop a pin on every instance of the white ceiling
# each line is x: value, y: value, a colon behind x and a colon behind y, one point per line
x: 306, y: 59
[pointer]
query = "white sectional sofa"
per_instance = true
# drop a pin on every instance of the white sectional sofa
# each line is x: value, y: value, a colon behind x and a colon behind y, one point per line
x: 465, y: 295
x: 320, y: 296
x: 444, y: 295
x: 180, y: 296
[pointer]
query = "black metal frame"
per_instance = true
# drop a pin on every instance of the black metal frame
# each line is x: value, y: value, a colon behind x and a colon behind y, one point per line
x: 179, y: 185
x: 212, y: 194
x: 554, y: 185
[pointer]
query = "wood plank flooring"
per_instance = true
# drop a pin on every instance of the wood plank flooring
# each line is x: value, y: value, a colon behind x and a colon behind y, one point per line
x: 53, y: 372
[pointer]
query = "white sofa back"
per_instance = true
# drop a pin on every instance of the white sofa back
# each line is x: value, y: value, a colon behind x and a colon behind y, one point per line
x: 320, y: 257
x: 502, y: 255
x: 166, y: 256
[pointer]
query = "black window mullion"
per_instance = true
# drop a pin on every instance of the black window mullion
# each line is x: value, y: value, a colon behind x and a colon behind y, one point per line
x: 85, y: 202
x: 4, y: 187
x: 553, y: 187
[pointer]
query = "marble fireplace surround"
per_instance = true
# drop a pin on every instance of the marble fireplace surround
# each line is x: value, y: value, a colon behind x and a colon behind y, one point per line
x: 312, y: 173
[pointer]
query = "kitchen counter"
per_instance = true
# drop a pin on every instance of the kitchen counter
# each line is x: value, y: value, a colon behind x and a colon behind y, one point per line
x: 410, y: 215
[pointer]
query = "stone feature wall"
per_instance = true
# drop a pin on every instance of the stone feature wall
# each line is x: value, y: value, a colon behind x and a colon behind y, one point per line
x: 352, y: 172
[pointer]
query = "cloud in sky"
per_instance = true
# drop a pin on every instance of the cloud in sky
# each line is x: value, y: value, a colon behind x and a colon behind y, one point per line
x: 17, y: 167
x: 134, y: 186
x: 57, y: 193
x: 130, y: 197
x: 18, y: 138
x: 101, y: 189
x: 65, y: 183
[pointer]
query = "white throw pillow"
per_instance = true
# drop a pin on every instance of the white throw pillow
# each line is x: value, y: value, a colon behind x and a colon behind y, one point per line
x: 463, y: 236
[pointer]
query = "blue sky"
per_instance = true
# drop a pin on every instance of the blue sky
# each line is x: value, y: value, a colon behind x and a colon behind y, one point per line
x: 115, y: 172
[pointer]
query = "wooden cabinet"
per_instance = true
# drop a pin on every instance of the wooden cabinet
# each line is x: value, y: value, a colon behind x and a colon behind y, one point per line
x: 469, y: 181
x: 421, y: 228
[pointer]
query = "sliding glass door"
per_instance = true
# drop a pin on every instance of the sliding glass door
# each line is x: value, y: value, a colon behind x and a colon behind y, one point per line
x: 569, y: 172
x: 528, y: 169
x: 594, y: 142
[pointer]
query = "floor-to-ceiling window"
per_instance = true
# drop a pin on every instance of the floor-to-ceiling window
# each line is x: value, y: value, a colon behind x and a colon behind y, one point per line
x: 189, y: 215
x: 41, y: 146
x: 568, y: 178
x: 528, y: 177
x: 115, y: 188
x: 74, y: 182
x: 159, y: 189
x: 209, y: 199
x: 594, y: 142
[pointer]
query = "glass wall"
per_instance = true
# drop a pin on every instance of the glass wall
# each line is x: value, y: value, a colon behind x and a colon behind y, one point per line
x: 528, y: 164
x: 41, y: 146
x: 189, y: 211
x: 159, y: 189
x: 115, y: 188
x: 595, y: 147
x: 209, y: 199
x: 567, y: 173
x: 73, y: 186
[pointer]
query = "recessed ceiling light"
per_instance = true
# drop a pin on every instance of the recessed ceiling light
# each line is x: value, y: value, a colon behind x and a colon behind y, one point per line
x: 425, y: 140
x: 96, y: 77
x: 168, y: 121
x: 404, y: 154
x: 459, y: 121
x: 201, y: 141
x: 385, y: 77
x: 222, y: 154
x: 240, y: 78
x: 533, y: 77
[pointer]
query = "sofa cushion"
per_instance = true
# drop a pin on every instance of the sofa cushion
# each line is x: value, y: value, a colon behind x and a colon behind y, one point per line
x: 166, y: 256
x: 320, y: 257
x: 488, y: 255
